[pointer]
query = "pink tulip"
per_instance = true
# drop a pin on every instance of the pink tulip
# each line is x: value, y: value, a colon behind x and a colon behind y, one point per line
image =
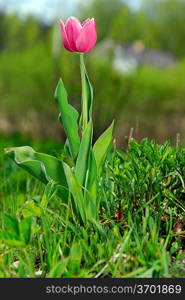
x: 78, y: 37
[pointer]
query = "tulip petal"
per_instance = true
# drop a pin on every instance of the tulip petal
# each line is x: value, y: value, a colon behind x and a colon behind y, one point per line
x: 64, y: 37
x: 73, y: 28
x: 87, y: 37
x: 86, y: 21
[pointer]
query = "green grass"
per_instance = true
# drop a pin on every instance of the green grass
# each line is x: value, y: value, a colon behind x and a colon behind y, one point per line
x: 141, y: 229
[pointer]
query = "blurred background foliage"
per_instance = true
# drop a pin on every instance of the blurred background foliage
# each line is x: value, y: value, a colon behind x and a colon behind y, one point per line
x: 150, y: 100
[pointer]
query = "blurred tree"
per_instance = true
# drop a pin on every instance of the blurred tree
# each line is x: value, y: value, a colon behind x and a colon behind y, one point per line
x: 2, y: 29
x: 128, y: 26
x: 166, y: 28
x: 20, y: 33
x: 104, y: 11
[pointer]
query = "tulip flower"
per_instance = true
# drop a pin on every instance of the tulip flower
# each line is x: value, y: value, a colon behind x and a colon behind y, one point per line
x: 77, y: 37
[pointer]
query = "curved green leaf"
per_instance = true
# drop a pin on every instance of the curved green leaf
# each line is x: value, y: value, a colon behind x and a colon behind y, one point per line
x: 68, y: 118
x: 87, y: 94
x: 42, y: 166
x: 83, y: 155
x: 101, y: 147
x: 76, y: 191
x: 91, y: 195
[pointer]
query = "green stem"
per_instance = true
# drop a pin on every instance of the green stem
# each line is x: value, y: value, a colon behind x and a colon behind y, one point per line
x: 84, y: 94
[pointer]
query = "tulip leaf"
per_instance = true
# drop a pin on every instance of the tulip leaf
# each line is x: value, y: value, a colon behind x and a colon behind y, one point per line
x: 92, y: 170
x: 101, y: 147
x: 66, y: 155
x: 68, y: 118
x: 89, y: 95
x: 87, y: 90
x: 75, y: 190
x: 90, y: 196
x: 83, y: 155
x: 42, y: 166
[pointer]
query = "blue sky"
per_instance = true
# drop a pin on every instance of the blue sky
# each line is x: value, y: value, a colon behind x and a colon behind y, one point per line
x: 47, y: 9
